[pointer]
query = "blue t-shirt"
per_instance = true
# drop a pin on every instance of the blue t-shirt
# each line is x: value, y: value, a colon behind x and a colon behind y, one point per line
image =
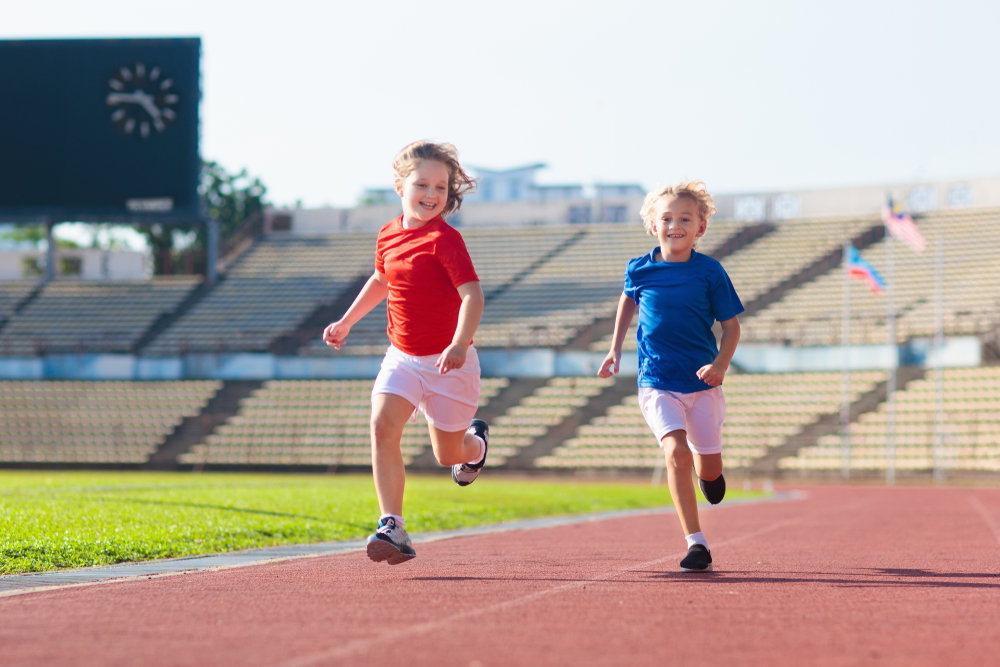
x: 678, y: 304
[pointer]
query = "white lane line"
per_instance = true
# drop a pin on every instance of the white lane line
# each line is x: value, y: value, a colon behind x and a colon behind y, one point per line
x: 47, y: 581
x: 359, y: 645
x: 978, y: 504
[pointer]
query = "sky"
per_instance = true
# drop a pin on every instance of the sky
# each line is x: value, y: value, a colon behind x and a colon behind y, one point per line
x: 316, y: 98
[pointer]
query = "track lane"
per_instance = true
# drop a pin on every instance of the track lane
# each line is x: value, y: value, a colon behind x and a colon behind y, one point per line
x: 851, y: 575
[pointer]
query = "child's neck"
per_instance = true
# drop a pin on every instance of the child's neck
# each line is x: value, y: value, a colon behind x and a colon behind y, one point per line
x: 664, y: 256
x: 412, y: 223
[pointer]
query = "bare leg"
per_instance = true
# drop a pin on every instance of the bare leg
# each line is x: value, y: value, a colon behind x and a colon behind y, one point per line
x: 708, y: 466
x: 679, y: 461
x: 389, y: 415
x: 451, y: 447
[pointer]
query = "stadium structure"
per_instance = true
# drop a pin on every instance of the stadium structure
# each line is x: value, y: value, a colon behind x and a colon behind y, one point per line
x: 182, y: 373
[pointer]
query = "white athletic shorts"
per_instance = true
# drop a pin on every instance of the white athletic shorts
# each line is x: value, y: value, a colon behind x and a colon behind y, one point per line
x: 448, y: 401
x: 700, y: 413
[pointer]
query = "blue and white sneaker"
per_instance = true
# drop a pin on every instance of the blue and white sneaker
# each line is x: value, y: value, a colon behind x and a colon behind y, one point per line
x: 466, y: 473
x: 390, y: 543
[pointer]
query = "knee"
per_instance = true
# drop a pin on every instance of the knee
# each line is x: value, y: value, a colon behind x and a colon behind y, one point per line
x: 676, y: 450
x: 383, y: 430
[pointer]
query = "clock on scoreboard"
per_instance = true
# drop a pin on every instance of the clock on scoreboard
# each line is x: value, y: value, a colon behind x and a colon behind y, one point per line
x: 100, y: 130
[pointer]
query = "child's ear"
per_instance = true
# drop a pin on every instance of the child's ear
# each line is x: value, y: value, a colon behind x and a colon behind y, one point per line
x: 398, y: 184
x: 702, y: 228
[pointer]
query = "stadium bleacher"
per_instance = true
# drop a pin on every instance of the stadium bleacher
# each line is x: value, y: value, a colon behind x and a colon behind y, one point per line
x: 970, y: 428
x: 73, y: 316
x: 762, y: 412
x: 810, y: 314
x: 268, y: 292
x: 308, y: 423
x: 757, y: 268
x: 94, y: 422
x: 500, y: 257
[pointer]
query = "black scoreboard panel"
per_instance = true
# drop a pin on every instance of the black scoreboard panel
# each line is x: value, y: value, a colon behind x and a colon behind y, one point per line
x: 103, y: 130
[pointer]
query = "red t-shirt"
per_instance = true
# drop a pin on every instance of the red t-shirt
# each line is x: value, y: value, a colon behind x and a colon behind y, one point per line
x: 424, y: 267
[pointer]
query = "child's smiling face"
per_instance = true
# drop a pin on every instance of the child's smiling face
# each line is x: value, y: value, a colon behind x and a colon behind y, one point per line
x: 424, y: 191
x: 677, y: 225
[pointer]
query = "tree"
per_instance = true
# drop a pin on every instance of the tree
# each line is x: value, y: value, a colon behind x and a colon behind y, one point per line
x: 35, y: 234
x: 228, y: 198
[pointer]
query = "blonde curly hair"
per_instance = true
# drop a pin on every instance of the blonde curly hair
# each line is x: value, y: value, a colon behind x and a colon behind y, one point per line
x: 696, y: 190
x: 459, y: 184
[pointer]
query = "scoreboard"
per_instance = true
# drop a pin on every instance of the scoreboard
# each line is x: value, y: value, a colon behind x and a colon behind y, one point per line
x: 102, y: 130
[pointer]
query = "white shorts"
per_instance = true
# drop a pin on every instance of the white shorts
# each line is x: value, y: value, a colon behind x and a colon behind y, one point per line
x: 700, y: 413
x: 448, y: 401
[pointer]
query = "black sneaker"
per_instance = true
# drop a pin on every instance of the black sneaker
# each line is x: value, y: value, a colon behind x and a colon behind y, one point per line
x: 699, y: 559
x: 715, y: 490
x: 390, y: 543
x: 466, y: 473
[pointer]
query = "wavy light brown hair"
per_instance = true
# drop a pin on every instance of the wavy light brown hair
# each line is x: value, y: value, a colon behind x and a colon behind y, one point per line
x: 696, y: 190
x: 459, y: 183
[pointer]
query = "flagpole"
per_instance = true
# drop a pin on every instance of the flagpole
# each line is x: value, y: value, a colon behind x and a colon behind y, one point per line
x: 890, y: 322
x: 938, y: 366
x: 845, y: 371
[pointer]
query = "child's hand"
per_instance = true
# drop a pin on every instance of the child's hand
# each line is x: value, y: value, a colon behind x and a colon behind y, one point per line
x: 452, y: 357
x: 334, y: 334
x: 712, y: 374
x: 613, y: 360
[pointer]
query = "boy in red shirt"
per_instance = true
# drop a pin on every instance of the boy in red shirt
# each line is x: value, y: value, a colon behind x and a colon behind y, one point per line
x: 435, y: 303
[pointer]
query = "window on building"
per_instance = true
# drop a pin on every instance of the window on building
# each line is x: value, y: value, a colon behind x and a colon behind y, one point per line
x: 70, y: 266
x: 750, y: 209
x: 922, y: 198
x: 32, y: 267
x: 579, y: 214
x: 786, y: 207
x: 615, y: 213
x: 960, y: 195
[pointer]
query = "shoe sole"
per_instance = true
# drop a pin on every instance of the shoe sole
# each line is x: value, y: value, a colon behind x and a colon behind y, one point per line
x: 381, y: 551
x: 460, y: 483
x: 691, y: 569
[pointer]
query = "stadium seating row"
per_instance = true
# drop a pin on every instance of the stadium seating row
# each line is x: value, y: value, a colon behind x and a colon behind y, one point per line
x: 325, y: 423
x: 967, y: 434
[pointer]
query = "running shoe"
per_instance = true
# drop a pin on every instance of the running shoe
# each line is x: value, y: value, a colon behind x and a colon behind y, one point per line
x: 715, y: 490
x: 466, y: 473
x: 390, y: 543
x: 698, y: 559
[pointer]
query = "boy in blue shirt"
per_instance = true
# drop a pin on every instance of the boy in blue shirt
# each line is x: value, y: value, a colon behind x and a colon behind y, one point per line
x: 680, y: 293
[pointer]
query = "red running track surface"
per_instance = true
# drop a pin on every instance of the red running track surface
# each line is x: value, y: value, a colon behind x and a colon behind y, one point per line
x: 847, y: 576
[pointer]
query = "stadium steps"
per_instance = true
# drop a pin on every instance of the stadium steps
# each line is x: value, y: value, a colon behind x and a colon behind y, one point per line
x: 558, y: 250
x: 598, y: 406
x: 167, y: 320
x: 829, y: 424
x: 194, y: 430
x: 24, y: 303
x: 508, y: 397
x: 313, y: 325
x: 605, y: 326
x: 823, y: 265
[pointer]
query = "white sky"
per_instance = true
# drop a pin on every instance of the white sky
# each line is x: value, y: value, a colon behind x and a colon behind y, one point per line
x: 317, y: 97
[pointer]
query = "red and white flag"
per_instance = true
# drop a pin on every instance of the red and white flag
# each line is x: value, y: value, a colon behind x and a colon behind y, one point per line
x: 902, y: 228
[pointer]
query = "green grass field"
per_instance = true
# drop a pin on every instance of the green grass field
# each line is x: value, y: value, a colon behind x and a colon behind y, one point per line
x: 53, y: 520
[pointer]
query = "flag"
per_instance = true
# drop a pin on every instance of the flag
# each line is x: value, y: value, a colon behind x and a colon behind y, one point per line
x: 902, y: 228
x: 858, y: 268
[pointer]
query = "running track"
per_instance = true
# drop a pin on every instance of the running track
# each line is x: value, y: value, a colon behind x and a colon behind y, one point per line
x: 846, y: 576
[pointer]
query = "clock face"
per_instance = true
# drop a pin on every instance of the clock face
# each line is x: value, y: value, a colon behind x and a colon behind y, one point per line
x: 142, y: 100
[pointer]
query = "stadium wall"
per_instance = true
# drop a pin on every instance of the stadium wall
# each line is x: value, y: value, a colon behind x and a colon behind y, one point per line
x: 917, y: 197
x: 92, y: 263
x: 538, y: 363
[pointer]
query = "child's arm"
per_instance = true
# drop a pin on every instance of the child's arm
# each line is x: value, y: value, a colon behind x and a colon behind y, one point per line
x: 626, y: 309
x: 371, y: 295
x: 468, y: 321
x: 716, y: 371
